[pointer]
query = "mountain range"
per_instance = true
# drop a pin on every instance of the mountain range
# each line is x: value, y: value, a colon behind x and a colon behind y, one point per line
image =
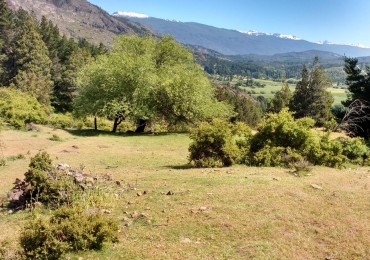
x: 233, y: 42
x: 81, y: 19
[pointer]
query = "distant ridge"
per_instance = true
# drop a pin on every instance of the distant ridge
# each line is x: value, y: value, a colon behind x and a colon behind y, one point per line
x: 233, y: 42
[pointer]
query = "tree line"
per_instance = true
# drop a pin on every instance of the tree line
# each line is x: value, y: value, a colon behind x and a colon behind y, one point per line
x: 35, y: 58
x: 146, y: 79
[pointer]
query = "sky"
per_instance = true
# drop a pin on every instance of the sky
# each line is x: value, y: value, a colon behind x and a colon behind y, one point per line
x: 336, y: 21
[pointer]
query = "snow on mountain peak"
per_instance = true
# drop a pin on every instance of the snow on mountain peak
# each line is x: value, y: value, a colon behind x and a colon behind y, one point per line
x: 283, y: 36
x: 130, y: 14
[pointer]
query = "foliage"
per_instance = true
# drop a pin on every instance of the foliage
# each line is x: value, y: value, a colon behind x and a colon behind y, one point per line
x: 247, y: 109
x: 28, y: 62
x: 281, y: 99
x: 310, y: 98
x: 355, y: 149
x: 154, y: 78
x: 47, y: 184
x: 214, y: 144
x: 68, y: 229
x: 356, y: 120
x: 18, y: 108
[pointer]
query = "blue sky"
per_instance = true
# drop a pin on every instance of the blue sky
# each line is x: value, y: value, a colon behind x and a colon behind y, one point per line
x: 338, y: 21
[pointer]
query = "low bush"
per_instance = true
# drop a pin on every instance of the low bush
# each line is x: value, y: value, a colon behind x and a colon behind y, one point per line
x: 215, y: 144
x: 18, y: 108
x: 68, y: 229
x: 47, y: 185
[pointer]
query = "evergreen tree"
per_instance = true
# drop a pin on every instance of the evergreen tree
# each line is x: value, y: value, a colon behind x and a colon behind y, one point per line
x: 29, y: 63
x: 356, y: 120
x: 311, y: 99
x: 358, y: 81
x: 281, y: 98
x: 5, y: 37
x: 65, y: 87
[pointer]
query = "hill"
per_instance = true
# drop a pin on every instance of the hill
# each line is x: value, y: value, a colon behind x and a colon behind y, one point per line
x: 233, y: 42
x: 80, y: 19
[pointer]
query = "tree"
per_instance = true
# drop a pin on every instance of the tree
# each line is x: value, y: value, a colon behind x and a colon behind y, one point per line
x: 65, y: 86
x: 310, y: 98
x: 29, y: 63
x: 356, y: 120
x: 152, y: 78
x: 281, y: 98
x: 5, y: 37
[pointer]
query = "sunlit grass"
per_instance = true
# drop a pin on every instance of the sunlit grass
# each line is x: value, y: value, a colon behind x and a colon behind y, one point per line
x: 231, y: 213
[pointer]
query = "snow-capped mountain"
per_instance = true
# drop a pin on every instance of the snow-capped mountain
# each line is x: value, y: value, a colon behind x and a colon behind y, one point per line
x: 283, y: 36
x: 234, y: 42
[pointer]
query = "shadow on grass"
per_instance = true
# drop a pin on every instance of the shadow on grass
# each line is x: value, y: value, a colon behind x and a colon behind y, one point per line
x: 92, y: 132
x: 179, y: 167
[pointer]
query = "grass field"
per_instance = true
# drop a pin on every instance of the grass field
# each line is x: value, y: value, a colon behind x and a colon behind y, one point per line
x: 271, y: 87
x: 231, y: 213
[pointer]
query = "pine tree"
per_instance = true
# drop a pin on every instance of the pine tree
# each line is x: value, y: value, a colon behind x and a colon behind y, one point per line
x: 29, y: 63
x: 311, y: 99
x: 5, y: 37
x: 356, y: 120
x: 65, y: 87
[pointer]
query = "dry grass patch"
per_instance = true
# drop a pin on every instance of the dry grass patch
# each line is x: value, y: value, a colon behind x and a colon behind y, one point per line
x: 234, y: 213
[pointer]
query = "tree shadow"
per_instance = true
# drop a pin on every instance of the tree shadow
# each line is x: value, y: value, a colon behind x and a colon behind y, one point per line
x: 179, y: 167
x: 93, y: 132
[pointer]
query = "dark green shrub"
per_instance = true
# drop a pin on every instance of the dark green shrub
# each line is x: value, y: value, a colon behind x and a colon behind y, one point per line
x: 215, y: 144
x: 47, y: 184
x: 69, y: 229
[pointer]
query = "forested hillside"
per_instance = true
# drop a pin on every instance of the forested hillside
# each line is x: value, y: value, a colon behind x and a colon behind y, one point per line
x: 80, y: 19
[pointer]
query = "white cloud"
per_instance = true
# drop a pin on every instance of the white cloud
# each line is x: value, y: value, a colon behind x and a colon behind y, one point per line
x: 130, y: 14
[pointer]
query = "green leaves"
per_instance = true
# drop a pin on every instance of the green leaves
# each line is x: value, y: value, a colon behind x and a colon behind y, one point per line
x: 156, y: 79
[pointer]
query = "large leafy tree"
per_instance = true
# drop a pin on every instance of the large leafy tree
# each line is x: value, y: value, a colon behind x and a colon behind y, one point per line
x: 144, y: 78
x: 311, y: 98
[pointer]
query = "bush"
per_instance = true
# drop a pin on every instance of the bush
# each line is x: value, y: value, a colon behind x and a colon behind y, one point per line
x: 327, y: 152
x: 69, y: 229
x: 282, y: 130
x: 47, y: 184
x: 18, y: 108
x: 355, y: 149
x: 215, y: 144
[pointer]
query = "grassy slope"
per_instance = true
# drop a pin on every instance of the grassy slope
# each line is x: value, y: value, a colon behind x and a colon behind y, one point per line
x: 261, y: 213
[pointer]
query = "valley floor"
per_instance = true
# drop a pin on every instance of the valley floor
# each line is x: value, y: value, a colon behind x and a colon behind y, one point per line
x: 230, y: 213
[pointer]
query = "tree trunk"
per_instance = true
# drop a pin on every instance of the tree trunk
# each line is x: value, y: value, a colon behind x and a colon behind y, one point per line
x: 115, y: 125
x: 95, y: 123
x: 141, y: 126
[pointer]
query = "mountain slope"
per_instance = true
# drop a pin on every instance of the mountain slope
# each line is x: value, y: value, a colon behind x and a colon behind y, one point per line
x: 232, y: 42
x: 79, y: 18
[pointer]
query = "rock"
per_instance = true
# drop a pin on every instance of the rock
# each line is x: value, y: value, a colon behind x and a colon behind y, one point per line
x: 186, y: 240
x: 139, y: 194
x: 317, y: 187
x: 170, y: 193
x: 75, y: 147
x: 134, y: 214
x: 276, y: 179
x: 203, y: 208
